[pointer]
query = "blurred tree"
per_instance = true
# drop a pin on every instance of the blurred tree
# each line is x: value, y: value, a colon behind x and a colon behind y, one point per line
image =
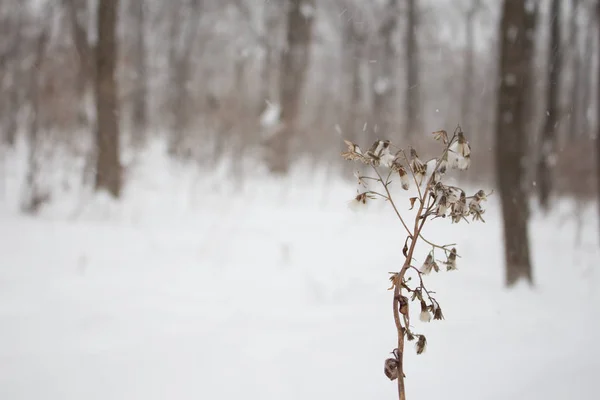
x: 183, y: 31
x: 140, y: 96
x: 295, y: 61
x: 529, y: 113
x: 355, y: 35
x: 413, y: 112
x: 598, y: 113
x: 511, y: 140
x: 34, y: 195
x: 10, y: 91
x: 78, y: 14
x: 274, y: 19
x: 385, y: 78
x: 108, y: 165
x: 469, y: 70
x: 547, y: 150
x: 575, y: 55
x: 586, y: 74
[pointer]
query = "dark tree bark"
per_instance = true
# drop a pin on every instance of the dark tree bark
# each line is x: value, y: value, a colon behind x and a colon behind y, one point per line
x: 598, y: 112
x: 413, y: 120
x: 530, y: 111
x: 574, y: 108
x: 108, y: 165
x: 140, y: 98
x: 547, y: 151
x: 295, y: 61
x: 10, y: 59
x: 584, y: 78
x: 511, y: 141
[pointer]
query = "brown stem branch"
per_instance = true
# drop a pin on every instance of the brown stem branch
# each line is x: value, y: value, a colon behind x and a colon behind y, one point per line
x: 389, y: 197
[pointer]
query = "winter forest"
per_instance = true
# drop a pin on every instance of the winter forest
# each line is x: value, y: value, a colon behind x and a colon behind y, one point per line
x: 224, y: 199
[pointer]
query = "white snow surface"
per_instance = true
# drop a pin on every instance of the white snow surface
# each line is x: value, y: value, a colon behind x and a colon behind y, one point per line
x: 190, y: 288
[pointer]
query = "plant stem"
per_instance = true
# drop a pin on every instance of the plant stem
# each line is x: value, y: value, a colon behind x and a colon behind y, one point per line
x: 389, y: 196
x: 419, y: 222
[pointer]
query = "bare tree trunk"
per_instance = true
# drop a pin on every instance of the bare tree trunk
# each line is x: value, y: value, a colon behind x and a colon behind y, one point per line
x: 108, y: 165
x: 531, y: 24
x: 10, y: 30
x: 548, y: 139
x: 354, y: 50
x: 295, y: 61
x: 584, y: 79
x: 77, y: 11
x: 385, y: 88
x: 511, y: 141
x: 140, y: 101
x: 413, y: 119
x: 574, y: 109
x: 180, y: 71
x: 469, y: 71
x: 597, y: 141
x: 273, y: 15
x: 34, y: 197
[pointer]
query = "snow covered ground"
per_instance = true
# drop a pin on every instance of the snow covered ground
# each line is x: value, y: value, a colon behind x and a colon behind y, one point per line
x: 190, y: 289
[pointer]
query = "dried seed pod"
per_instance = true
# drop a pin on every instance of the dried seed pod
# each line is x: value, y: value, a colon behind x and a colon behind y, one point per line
x: 437, y: 313
x: 427, y: 264
x: 390, y: 368
x: 404, y: 305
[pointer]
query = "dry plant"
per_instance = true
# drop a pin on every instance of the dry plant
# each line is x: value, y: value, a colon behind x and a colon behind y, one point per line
x: 433, y: 199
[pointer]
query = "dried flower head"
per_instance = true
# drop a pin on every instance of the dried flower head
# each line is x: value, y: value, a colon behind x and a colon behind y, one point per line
x: 451, y: 260
x: 404, y: 305
x: 437, y: 313
x: 428, y: 264
x: 462, y: 147
x: 441, y: 168
x: 425, y: 315
x: 390, y: 368
x: 442, y: 207
x: 404, y: 179
x: 421, y: 344
x: 462, y: 152
x: 441, y: 135
x: 417, y: 166
x: 353, y: 152
x: 475, y: 208
x: 379, y: 153
x: 360, y: 201
x: 476, y: 211
x: 459, y: 208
